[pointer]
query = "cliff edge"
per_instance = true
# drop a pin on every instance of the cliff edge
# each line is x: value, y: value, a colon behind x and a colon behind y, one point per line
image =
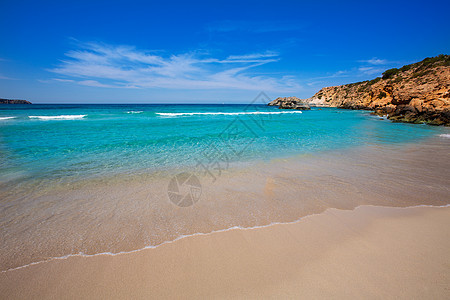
x: 415, y: 93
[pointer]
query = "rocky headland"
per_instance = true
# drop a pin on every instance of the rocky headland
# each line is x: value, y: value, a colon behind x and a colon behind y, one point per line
x: 289, y: 103
x: 10, y: 101
x: 415, y: 93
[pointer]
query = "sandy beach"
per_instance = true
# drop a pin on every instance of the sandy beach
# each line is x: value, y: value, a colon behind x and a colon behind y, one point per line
x: 370, y: 252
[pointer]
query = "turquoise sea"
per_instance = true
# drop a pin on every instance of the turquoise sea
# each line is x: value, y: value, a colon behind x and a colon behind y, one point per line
x: 79, y: 141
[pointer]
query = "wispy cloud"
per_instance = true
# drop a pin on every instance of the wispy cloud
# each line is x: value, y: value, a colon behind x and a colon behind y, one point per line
x: 60, y: 80
x: 267, y: 56
x: 338, y: 74
x: 374, y: 66
x: 363, y: 70
x: 100, y: 65
x: 375, y: 61
x: 371, y: 70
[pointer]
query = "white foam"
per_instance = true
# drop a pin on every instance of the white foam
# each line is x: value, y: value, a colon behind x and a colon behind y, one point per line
x: 61, y: 117
x: 445, y: 135
x: 135, y: 112
x: 229, y: 113
x: 210, y: 233
x: 6, y: 118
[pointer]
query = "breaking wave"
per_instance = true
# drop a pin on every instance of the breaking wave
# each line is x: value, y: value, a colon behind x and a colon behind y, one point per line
x: 61, y: 117
x: 228, y: 113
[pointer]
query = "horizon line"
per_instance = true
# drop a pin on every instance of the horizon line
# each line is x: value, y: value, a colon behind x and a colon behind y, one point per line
x: 147, y: 103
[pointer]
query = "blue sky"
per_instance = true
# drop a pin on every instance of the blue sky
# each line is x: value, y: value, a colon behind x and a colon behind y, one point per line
x: 210, y: 51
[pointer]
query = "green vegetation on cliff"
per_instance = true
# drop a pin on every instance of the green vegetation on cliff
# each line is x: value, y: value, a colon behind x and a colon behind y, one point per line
x: 422, y: 67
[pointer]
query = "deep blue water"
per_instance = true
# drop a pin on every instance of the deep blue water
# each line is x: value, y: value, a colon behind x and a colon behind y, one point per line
x: 78, y: 141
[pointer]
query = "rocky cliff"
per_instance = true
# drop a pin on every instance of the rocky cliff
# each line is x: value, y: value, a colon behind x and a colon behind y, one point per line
x: 416, y: 93
x: 9, y: 101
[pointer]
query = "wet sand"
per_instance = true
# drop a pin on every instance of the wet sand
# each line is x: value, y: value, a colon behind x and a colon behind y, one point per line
x: 370, y: 252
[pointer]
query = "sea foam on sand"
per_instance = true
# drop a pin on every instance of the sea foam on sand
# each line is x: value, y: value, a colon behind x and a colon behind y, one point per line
x: 371, y: 252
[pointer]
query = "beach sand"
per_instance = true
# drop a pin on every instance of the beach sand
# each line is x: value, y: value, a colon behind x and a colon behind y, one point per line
x: 369, y: 252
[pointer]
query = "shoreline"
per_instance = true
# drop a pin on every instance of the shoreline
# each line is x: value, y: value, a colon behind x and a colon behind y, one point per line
x: 296, y: 249
x: 212, y: 232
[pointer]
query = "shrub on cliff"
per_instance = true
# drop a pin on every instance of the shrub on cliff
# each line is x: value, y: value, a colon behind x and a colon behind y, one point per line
x: 381, y: 95
x: 389, y: 73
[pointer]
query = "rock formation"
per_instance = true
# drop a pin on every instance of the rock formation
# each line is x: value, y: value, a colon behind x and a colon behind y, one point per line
x: 9, y: 101
x: 415, y: 93
x: 289, y: 103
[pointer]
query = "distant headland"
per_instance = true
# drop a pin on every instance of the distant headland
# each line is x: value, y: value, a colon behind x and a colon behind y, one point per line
x: 13, y: 101
x: 415, y: 93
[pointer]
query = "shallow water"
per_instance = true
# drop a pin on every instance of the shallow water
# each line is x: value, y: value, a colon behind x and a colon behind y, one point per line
x: 75, y: 141
x: 95, y: 178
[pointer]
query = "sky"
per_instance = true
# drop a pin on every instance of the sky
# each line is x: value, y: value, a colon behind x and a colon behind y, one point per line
x: 207, y: 51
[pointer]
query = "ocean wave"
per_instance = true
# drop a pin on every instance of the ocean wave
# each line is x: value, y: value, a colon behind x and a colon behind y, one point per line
x: 229, y: 113
x: 6, y: 118
x: 61, y: 117
x: 445, y: 135
x: 135, y: 112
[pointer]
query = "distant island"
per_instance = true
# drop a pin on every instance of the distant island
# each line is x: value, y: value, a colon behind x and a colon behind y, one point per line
x: 415, y: 93
x: 12, y: 101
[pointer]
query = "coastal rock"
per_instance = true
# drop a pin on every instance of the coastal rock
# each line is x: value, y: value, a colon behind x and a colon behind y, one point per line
x: 289, y: 103
x: 415, y: 93
x: 9, y: 101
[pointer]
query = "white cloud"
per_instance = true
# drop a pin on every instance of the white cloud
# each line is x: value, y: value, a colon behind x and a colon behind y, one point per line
x: 375, y: 61
x: 110, y: 66
x: 371, y: 70
x: 93, y: 83
x: 63, y: 80
x: 253, y: 56
x: 338, y: 74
